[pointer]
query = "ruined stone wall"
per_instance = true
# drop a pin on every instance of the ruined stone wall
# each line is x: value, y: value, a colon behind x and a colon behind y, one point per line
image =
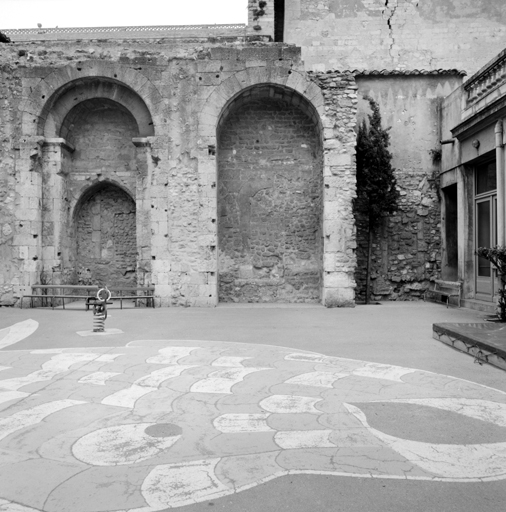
x: 105, y: 228
x: 407, y: 248
x: 103, y: 145
x: 270, y: 179
x: 11, y: 90
x: 340, y: 101
x: 396, y: 34
x: 176, y: 91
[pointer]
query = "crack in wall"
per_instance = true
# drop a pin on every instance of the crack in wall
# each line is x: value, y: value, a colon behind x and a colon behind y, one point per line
x: 392, y: 10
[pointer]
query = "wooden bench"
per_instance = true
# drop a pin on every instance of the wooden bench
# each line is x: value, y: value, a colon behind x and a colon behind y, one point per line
x: 443, y: 291
x: 135, y: 293
x: 51, y: 292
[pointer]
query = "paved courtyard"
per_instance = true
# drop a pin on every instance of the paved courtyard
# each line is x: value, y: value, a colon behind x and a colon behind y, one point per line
x: 247, y: 408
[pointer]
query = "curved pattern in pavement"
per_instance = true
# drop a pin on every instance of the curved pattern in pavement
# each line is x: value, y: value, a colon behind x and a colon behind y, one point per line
x: 161, y: 424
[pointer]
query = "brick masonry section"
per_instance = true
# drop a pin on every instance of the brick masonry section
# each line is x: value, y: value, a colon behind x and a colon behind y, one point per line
x: 270, y: 204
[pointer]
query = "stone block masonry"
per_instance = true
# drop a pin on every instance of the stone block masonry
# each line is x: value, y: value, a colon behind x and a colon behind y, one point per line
x: 396, y: 34
x: 109, y: 156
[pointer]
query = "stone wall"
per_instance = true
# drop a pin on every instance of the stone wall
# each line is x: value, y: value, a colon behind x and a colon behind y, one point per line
x: 407, y: 248
x: 396, y: 34
x: 147, y: 123
x: 11, y: 90
x: 143, y: 116
x: 340, y: 100
x: 270, y: 177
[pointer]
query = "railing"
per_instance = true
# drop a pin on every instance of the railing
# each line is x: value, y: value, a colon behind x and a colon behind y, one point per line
x: 486, y: 81
x: 140, y: 29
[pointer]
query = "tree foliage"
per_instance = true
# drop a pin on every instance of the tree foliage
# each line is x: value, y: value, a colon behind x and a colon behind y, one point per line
x: 377, y: 193
x: 497, y: 256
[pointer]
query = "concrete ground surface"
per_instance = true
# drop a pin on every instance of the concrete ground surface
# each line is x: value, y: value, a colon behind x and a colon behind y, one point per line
x: 247, y: 408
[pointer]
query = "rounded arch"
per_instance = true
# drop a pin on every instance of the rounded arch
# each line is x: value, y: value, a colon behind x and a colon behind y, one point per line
x: 56, y: 94
x: 275, y: 92
x: 288, y: 82
x: 64, y: 105
x: 89, y: 190
x: 103, y: 236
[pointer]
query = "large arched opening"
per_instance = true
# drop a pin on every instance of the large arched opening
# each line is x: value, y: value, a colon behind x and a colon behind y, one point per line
x: 94, y: 171
x: 270, y: 198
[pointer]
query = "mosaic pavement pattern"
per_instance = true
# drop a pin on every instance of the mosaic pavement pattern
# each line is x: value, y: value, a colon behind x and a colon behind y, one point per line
x: 167, y: 423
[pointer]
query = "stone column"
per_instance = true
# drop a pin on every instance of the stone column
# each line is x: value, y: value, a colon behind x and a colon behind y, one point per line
x: 502, y: 155
x: 55, y: 221
x: 143, y: 215
x: 465, y: 228
x: 339, y: 259
x: 28, y: 214
x: 208, y: 227
x: 501, y: 182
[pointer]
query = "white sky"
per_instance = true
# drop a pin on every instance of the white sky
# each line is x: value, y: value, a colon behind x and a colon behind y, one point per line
x: 107, y: 13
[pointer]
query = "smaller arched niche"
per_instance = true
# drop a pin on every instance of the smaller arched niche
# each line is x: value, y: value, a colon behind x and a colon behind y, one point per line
x: 104, y: 229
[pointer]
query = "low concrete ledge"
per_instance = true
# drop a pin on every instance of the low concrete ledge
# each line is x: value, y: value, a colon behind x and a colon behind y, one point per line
x: 486, y: 342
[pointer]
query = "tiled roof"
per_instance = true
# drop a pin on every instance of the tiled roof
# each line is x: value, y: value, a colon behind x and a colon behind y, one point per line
x: 388, y: 72
x: 396, y: 72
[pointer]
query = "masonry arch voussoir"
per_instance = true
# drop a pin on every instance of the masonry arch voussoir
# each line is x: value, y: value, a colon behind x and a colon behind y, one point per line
x: 54, y: 117
x: 241, y: 81
x: 89, y: 189
x: 46, y: 93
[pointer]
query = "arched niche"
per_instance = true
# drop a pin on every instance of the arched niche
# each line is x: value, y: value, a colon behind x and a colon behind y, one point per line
x: 270, y: 197
x: 91, y: 126
x: 104, y: 246
x: 54, y: 118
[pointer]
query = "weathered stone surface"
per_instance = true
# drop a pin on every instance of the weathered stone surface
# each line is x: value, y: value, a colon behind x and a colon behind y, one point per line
x: 270, y: 204
x: 396, y: 34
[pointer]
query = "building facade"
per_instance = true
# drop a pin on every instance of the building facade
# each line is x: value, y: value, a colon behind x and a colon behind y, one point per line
x: 217, y: 163
x: 472, y: 179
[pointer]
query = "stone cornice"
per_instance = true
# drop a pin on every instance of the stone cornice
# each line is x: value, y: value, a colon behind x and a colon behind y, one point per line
x: 58, y: 141
x: 141, y: 142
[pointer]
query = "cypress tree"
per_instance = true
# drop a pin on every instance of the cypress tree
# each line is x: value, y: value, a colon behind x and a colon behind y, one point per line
x: 377, y: 194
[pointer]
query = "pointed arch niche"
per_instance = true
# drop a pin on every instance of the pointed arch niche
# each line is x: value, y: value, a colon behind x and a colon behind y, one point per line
x: 270, y: 197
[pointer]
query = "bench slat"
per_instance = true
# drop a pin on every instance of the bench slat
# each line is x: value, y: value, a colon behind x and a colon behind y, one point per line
x: 59, y: 291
